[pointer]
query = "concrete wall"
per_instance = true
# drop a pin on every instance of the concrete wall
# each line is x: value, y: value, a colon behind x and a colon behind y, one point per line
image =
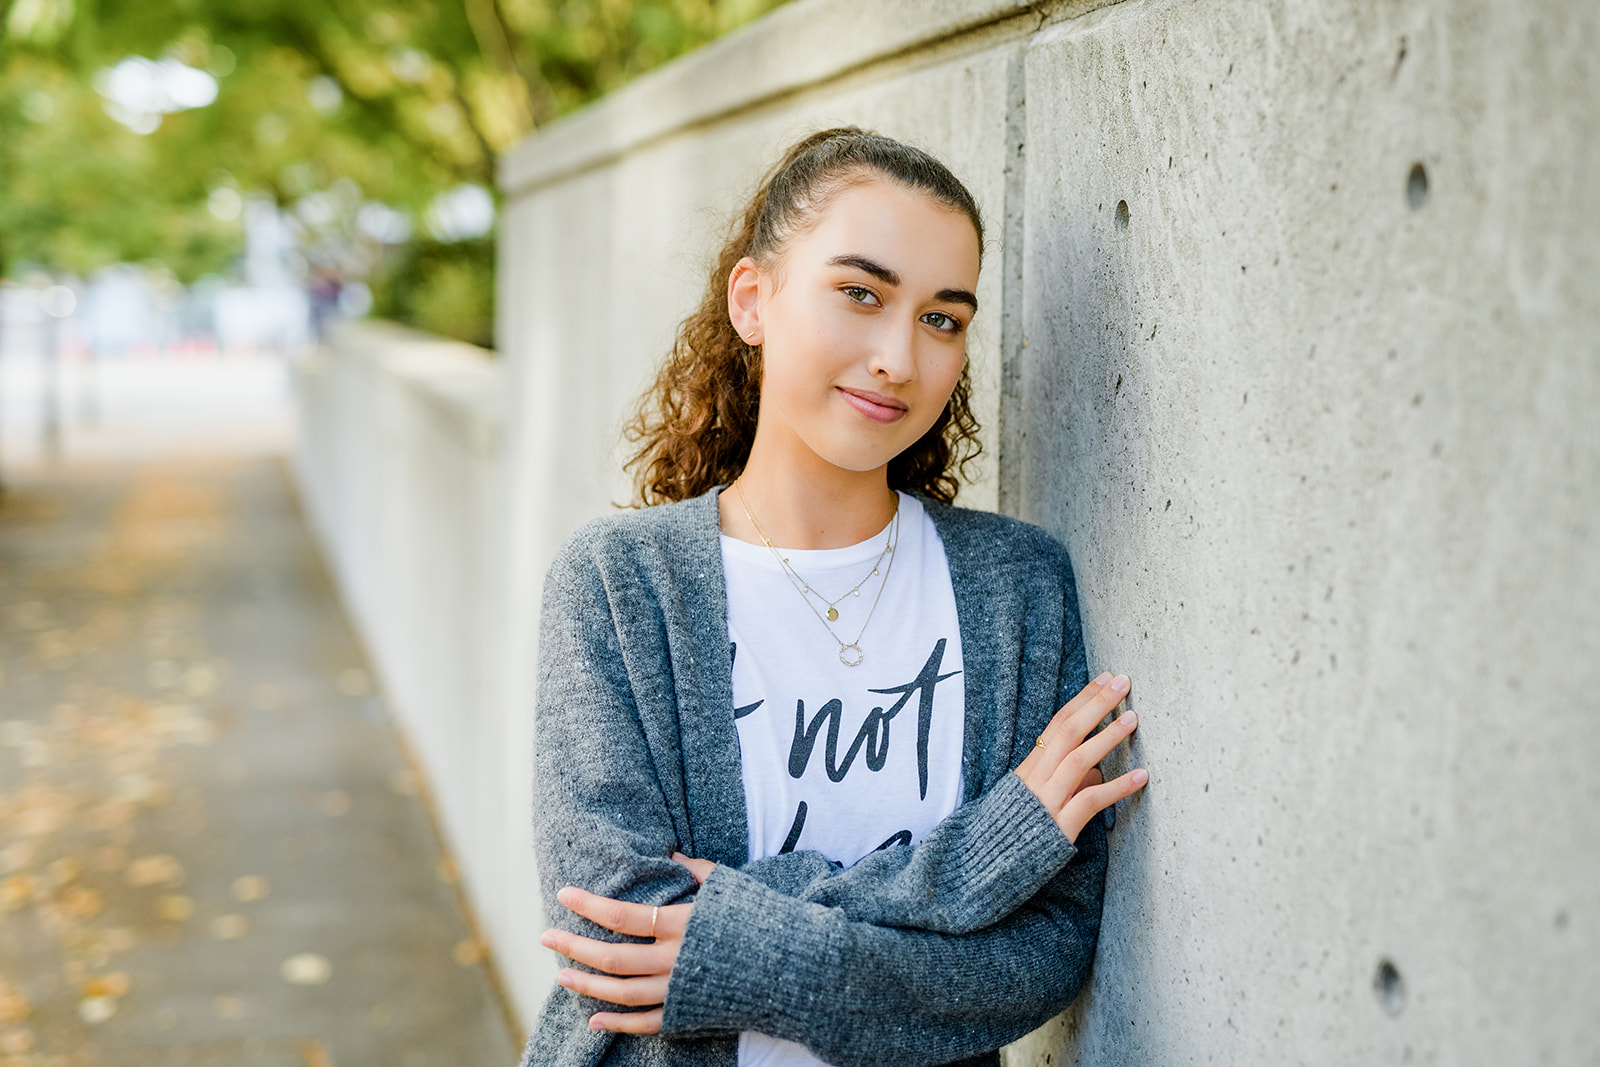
x: 1324, y: 445
x: 1290, y: 332
x: 399, y: 464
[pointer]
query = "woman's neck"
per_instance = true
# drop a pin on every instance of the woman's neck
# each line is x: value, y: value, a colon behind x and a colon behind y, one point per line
x: 821, y: 506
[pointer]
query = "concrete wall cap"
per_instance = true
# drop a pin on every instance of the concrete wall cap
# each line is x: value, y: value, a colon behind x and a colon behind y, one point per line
x: 796, y: 46
x: 462, y: 383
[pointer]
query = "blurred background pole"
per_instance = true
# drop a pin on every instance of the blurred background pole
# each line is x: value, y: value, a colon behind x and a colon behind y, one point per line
x: 6, y: 310
x: 89, y: 388
x: 58, y: 302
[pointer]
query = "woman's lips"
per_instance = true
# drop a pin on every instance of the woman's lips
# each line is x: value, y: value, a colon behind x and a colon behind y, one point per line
x: 875, y: 406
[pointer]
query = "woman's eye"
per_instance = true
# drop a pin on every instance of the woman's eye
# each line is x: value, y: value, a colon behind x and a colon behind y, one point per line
x: 940, y: 321
x: 860, y: 294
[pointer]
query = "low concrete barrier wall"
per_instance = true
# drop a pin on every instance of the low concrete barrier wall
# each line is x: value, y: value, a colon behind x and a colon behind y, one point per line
x: 1290, y: 333
x: 399, y: 460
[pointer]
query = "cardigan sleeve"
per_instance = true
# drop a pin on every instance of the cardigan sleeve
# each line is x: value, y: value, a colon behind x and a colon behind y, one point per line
x: 977, y: 866
x: 601, y: 817
x: 859, y: 992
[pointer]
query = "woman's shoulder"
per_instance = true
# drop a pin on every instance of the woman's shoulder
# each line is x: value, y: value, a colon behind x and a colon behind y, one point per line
x: 642, y: 538
x: 988, y: 538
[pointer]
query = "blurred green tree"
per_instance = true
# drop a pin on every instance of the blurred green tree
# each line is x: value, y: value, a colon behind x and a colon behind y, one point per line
x: 352, y: 116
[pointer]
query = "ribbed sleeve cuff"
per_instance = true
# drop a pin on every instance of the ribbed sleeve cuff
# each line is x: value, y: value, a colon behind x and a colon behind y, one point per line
x: 1010, y: 852
x: 751, y: 959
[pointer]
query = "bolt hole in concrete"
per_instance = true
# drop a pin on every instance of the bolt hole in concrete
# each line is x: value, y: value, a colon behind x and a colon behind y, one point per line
x: 1122, y: 214
x: 1417, y: 186
x: 1389, y: 987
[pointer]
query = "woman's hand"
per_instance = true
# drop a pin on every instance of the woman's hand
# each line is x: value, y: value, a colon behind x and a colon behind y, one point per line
x: 1061, y: 770
x: 635, y: 975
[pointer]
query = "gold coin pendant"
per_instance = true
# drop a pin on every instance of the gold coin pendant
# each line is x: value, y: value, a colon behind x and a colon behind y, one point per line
x: 833, y: 614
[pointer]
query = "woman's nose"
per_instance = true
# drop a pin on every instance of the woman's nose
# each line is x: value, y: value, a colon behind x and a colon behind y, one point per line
x: 894, y: 355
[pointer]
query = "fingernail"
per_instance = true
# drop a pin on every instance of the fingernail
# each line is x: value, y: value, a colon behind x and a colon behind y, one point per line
x: 1120, y: 683
x: 1141, y: 776
x: 548, y: 940
x: 1103, y: 679
x: 565, y: 979
x: 565, y: 896
x: 1128, y: 718
x: 596, y: 1024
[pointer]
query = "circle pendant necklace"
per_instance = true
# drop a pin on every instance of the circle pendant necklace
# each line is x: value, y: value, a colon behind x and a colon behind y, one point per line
x: 850, y: 653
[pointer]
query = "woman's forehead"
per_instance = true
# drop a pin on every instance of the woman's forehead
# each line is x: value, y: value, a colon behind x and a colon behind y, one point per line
x: 900, y: 228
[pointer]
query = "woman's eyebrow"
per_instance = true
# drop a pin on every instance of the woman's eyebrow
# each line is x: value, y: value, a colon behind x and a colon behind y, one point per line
x: 890, y: 277
x: 867, y: 266
x: 957, y: 296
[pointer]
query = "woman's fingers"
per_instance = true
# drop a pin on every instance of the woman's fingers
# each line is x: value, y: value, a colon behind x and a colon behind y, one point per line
x: 612, y: 957
x: 1095, y: 748
x: 1091, y: 777
x: 629, y: 1022
x: 624, y: 917
x: 619, y: 915
x: 629, y: 992
x: 632, y: 974
x: 1074, y: 721
x: 1069, y: 727
x: 1061, y: 771
x: 1039, y: 759
x: 1065, y: 713
x: 701, y: 869
x: 1088, y: 803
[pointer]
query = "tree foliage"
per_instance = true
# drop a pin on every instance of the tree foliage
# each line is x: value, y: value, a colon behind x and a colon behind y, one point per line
x: 325, y: 106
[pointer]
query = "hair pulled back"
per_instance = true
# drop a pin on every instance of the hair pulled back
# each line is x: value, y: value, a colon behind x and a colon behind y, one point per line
x: 694, y: 427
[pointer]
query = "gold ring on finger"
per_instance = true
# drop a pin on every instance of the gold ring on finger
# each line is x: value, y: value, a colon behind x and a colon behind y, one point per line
x: 1040, y: 742
x: 655, y: 913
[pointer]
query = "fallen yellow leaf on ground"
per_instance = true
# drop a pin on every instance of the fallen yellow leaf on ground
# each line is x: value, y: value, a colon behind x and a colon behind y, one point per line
x: 250, y: 887
x: 229, y: 927
x: 65, y: 870
x: 155, y: 870
x: 15, y: 891
x: 175, y: 908
x: 17, y: 1042
x: 80, y: 903
x: 14, y: 1007
x: 115, y: 984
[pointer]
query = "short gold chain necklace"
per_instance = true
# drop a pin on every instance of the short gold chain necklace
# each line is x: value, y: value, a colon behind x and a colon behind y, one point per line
x: 850, y: 653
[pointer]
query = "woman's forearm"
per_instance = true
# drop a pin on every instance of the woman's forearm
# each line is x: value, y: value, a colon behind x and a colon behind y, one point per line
x: 976, y: 867
x: 860, y: 993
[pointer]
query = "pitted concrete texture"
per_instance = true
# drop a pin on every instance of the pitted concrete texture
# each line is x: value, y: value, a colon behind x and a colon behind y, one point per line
x: 211, y: 848
x: 1309, y: 389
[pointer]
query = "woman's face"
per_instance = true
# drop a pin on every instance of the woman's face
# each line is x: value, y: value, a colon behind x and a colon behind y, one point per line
x: 863, y: 325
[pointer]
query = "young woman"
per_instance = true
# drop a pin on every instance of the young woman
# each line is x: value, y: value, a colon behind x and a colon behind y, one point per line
x: 803, y: 793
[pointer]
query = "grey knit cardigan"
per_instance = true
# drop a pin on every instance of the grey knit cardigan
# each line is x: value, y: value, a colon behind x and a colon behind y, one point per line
x: 933, y: 954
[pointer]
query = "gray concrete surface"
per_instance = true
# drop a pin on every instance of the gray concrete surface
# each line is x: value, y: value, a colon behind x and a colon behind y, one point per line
x: 1324, y: 446
x: 211, y: 848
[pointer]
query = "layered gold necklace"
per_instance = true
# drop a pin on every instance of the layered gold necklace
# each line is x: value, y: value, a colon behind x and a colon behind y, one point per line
x: 850, y: 653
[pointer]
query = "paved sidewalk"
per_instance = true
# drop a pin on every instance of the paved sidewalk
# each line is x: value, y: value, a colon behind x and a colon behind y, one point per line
x: 211, y: 849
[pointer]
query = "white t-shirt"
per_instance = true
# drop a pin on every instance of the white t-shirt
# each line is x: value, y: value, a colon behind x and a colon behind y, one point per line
x: 837, y: 759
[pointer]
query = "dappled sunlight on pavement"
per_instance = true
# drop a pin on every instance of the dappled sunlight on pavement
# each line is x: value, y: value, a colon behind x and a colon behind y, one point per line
x: 212, y: 849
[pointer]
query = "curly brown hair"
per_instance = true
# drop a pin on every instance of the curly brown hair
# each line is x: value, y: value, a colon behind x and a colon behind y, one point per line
x: 694, y: 426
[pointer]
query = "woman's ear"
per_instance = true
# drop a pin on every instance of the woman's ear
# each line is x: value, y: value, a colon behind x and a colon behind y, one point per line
x: 744, y: 300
